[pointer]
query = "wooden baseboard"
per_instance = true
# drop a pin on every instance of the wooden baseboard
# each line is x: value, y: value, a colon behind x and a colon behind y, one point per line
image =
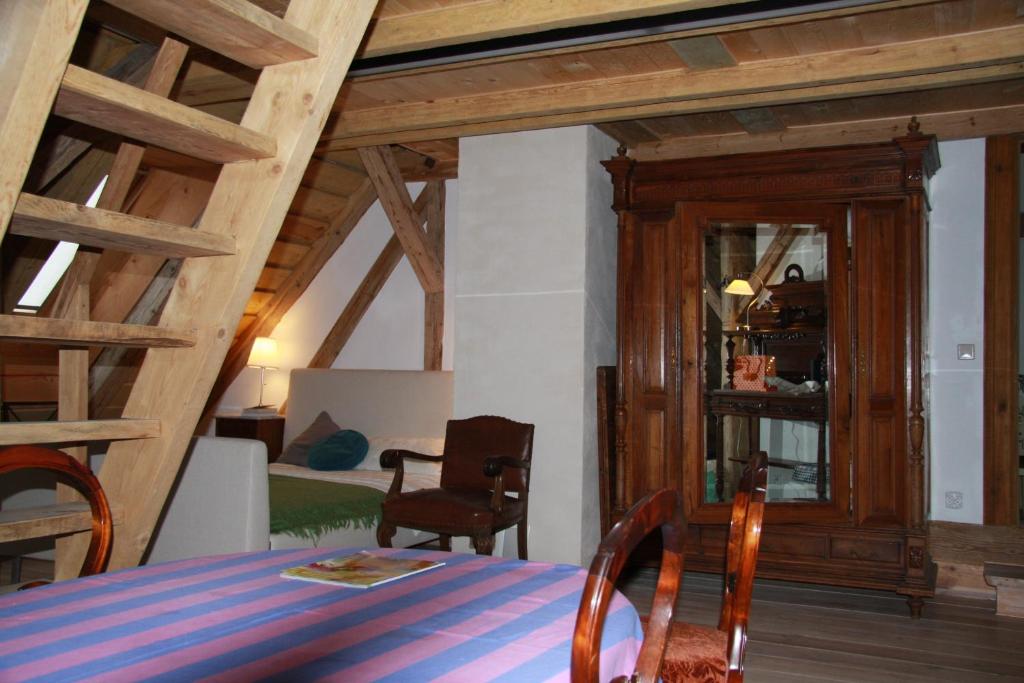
x: 975, y: 544
x: 962, y: 578
x: 961, y: 550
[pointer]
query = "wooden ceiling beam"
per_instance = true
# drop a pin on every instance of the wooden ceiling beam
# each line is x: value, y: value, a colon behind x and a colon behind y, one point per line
x: 489, y: 19
x: 398, y: 205
x: 910, y: 61
x: 973, y: 123
x: 219, y: 86
x: 784, y: 96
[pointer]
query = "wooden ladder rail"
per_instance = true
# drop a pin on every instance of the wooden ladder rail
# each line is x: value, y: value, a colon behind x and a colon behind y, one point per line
x: 265, y: 158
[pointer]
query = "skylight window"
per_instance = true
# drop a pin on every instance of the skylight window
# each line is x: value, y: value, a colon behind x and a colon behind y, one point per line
x: 54, y: 268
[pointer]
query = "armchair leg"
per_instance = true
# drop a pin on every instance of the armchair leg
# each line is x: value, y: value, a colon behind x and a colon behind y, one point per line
x: 445, y: 542
x: 521, y: 539
x: 385, y: 532
x: 484, y: 544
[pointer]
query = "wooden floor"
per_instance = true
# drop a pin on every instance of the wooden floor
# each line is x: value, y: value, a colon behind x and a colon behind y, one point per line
x: 800, y: 632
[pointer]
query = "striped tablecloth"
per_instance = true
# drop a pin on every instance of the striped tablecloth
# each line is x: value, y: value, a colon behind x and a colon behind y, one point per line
x: 232, y: 618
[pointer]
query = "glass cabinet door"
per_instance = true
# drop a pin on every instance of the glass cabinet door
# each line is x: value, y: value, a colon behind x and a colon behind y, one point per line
x: 761, y: 299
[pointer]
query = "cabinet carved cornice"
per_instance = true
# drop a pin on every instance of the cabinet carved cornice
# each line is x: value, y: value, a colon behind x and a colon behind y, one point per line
x: 843, y: 416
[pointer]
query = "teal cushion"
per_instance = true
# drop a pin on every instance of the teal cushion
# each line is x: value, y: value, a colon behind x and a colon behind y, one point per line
x: 342, y: 450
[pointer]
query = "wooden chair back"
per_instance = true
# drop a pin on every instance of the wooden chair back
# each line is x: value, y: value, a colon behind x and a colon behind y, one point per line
x: 71, y: 472
x: 661, y: 509
x: 467, y: 443
x: 741, y: 559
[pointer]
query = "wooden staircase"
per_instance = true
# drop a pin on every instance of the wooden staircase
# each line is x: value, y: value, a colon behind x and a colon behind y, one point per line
x: 304, y: 58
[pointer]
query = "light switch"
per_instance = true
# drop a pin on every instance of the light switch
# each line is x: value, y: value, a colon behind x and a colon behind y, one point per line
x: 965, y: 351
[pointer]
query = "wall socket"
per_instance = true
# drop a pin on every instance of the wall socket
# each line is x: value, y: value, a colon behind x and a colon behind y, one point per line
x: 954, y: 500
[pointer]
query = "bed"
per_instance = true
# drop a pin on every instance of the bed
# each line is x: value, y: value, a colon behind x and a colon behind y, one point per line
x: 393, y: 409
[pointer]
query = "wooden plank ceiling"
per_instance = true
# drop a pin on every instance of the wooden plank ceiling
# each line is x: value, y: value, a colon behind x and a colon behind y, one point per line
x: 695, y: 77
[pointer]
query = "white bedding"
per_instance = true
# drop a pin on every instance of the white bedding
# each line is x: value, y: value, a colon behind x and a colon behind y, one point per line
x: 374, y: 479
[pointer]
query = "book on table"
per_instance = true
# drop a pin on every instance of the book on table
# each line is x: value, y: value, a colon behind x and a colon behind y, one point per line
x: 359, y: 570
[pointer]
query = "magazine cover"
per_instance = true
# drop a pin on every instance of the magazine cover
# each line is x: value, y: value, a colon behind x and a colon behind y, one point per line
x: 361, y: 570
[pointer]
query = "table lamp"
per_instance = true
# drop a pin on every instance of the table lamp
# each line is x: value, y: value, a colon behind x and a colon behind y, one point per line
x: 264, y: 357
x: 740, y: 286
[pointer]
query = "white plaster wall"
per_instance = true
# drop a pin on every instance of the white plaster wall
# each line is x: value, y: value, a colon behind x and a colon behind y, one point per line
x: 390, y: 335
x: 520, y: 306
x: 598, y: 322
x: 955, y: 312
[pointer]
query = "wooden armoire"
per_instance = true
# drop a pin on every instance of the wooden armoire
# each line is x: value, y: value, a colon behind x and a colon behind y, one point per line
x: 865, y: 208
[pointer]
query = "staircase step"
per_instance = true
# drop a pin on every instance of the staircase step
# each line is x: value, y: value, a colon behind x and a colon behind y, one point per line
x: 235, y: 28
x: 57, y: 220
x: 50, y: 520
x: 90, y: 333
x: 95, y: 100
x: 77, y: 431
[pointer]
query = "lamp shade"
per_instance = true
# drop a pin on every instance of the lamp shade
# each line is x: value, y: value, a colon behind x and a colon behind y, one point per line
x: 264, y: 353
x: 739, y: 286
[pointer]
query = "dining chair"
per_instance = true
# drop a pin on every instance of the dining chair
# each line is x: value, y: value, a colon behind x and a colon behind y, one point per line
x: 661, y: 509
x: 700, y: 653
x: 75, y: 474
x: 484, y: 459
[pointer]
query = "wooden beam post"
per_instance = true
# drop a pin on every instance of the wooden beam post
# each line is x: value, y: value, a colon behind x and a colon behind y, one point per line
x: 394, y: 198
x: 1002, y: 328
x: 433, y: 302
x: 72, y: 405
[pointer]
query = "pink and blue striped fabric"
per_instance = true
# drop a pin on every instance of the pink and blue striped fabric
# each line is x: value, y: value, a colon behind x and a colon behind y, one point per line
x: 233, y: 618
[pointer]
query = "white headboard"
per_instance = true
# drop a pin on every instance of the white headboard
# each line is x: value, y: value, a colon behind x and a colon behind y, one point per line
x: 407, y: 403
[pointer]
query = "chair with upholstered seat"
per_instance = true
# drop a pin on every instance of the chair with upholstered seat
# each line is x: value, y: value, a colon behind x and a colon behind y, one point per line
x: 485, y: 458
x: 662, y: 509
x: 699, y: 653
x: 75, y: 474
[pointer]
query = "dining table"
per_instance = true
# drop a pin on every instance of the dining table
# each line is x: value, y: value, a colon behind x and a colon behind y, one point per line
x: 235, y: 618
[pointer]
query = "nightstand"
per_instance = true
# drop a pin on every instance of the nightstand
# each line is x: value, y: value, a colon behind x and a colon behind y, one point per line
x: 269, y: 430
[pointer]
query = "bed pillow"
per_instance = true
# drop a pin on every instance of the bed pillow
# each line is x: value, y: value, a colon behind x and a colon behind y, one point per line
x: 342, y: 450
x: 426, y: 445
x: 298, y: 450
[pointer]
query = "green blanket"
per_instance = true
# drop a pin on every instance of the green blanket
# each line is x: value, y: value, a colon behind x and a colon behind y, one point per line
x: 309, y: 508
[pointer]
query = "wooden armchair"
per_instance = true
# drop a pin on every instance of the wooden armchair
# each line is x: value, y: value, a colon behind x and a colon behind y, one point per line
x: 661, y: 509
x: 75, y: 474
x: 698, y: 653
x: 484, y: 459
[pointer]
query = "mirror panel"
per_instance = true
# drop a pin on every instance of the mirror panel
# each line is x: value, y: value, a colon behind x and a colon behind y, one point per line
x: 765, y: 331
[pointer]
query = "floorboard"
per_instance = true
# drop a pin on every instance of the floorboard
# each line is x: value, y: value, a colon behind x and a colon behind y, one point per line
x: 803, y: 632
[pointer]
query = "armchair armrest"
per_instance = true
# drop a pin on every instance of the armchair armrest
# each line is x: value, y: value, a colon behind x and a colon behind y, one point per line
x: 394, y: 458
x: 494, y: 466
